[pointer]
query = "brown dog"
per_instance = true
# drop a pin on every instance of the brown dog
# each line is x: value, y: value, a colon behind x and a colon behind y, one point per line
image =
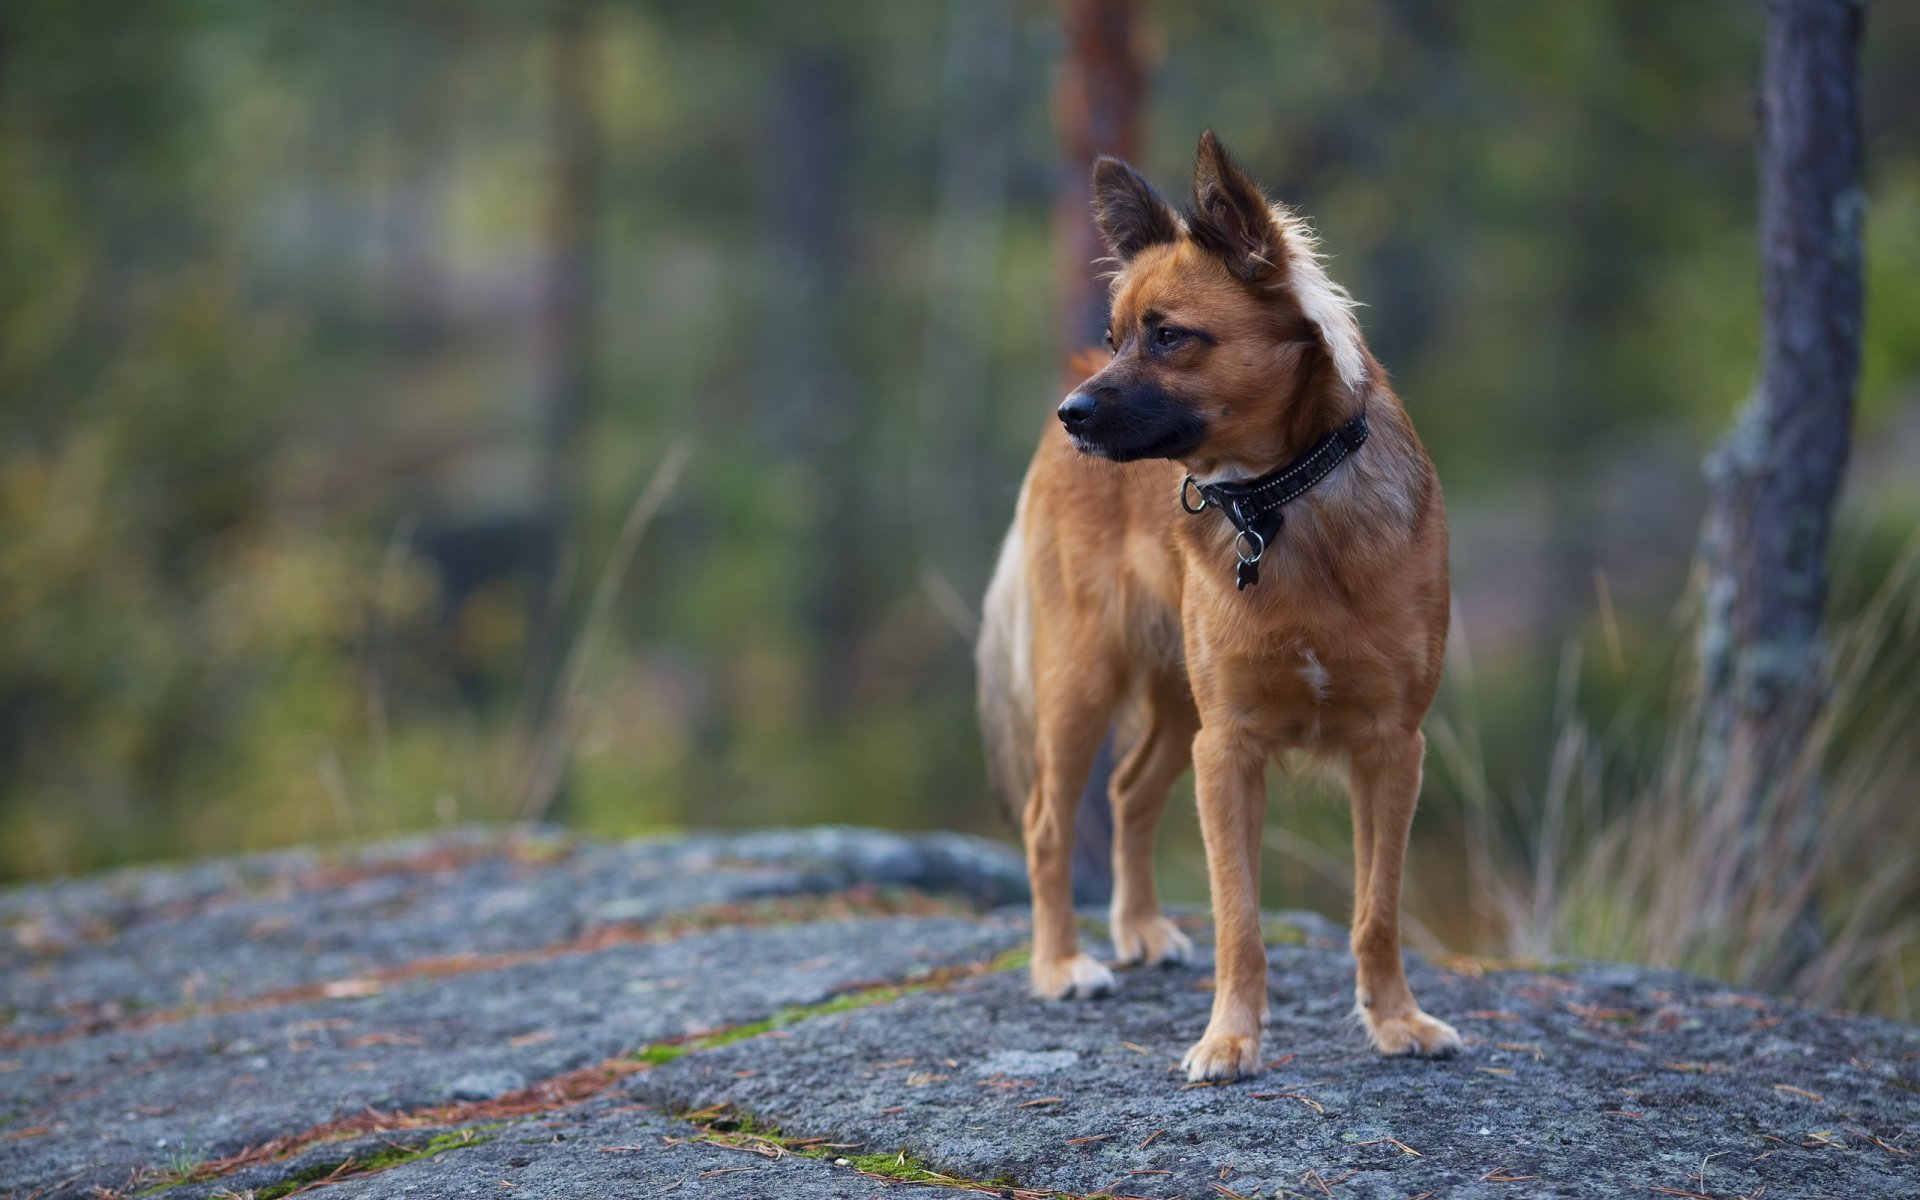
x: 1233, y: 546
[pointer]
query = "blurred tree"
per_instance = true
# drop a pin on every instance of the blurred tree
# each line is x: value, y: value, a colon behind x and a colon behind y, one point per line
x: 573, y: 248
x: 1776, y: 475
x: 969, y: 218
x: 808, y: 417
x: 1097, y: 103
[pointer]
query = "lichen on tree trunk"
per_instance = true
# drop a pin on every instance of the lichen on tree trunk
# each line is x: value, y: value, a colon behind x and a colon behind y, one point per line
x: 1776, y: 475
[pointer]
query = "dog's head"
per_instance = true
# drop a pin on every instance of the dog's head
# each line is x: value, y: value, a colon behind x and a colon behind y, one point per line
x: 1225, y: 329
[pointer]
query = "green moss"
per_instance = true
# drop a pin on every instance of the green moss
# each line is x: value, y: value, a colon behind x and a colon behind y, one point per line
x: 1278, y: 932
x: 658, y: 1053
x: 387, y: 1159
x: 1017, y: 959
x: 901, y: 1166
x: 737, y: 1033
x: 295, y: 1182
x: 730, y: 1127
x: 392, y: 1156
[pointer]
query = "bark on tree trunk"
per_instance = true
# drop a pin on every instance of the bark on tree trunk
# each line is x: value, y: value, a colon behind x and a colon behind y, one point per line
x: 1774, y: 478
x: 566, y: 379
x: 1096, y: 111
x: 809, y: 416
x: 571, y: 209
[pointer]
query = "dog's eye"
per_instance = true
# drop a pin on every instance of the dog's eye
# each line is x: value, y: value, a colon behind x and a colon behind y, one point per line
x: 1167, y: 335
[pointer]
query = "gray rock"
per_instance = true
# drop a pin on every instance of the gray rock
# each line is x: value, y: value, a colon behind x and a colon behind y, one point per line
x: 485, y: 1085
x: 462, y: 1015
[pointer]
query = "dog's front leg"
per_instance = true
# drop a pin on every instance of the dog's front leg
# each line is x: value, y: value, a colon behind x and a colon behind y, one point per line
x: 1072, y: 722
x: 1230, y: 778
x: 1385, y: 788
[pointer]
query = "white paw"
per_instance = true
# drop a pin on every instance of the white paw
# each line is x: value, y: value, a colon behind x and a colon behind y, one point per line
x: 1154, y: 941
x: 1228, y: 1056
x: 1416, y: 1034
x: 1076, y: 978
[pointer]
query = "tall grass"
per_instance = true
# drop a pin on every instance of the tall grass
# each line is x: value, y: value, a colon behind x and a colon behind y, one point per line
x: 541, y: 745
x: 1816, y: 896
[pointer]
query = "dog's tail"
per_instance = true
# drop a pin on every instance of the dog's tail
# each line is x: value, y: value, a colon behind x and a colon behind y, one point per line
x: 1004, y: 657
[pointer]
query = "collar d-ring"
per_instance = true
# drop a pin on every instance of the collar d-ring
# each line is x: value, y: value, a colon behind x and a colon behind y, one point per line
x: 1259, y: 545
x: 1188, y: 485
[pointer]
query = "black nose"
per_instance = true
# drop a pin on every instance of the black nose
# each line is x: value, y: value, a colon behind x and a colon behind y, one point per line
x: 1076, y: 410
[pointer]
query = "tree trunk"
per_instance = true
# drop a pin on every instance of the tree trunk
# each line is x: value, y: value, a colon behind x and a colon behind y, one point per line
x: 808, y: 404
x: 1774, y: 478
x: 976, y: 152
x: 566, y: 377
x: 1097, y: 111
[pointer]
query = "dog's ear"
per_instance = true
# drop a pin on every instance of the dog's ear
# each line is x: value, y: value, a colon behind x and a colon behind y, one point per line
x: 1231, y: 218
x: 1130, y: 215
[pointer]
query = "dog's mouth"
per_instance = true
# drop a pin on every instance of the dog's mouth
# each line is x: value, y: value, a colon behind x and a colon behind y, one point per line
x: 1174, y: 439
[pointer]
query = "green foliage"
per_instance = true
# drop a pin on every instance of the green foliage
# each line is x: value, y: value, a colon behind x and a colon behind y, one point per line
x: 276, y: 353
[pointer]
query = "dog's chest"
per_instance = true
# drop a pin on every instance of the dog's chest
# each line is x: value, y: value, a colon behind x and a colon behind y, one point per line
x: 1294, y: 672
x: 1298, y: 689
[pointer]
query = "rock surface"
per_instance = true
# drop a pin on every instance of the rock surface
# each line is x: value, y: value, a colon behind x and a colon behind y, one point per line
x: 839, y: 1013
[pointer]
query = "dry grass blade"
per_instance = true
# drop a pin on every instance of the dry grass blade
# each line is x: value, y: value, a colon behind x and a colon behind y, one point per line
x: 1812, y: 889
x: 1309, y: 1101
x: 547, y: 745
x: 1394, y: 1141
x: 1889, y: 1147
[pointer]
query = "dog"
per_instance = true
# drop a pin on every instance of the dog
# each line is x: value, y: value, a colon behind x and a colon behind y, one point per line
x: 1231, y: 545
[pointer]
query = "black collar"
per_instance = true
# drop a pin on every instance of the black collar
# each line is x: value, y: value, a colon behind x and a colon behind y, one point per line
x: 1254, y: 505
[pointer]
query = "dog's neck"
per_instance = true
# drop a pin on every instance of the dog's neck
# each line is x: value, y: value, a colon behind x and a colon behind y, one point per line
x: 1310, y: 417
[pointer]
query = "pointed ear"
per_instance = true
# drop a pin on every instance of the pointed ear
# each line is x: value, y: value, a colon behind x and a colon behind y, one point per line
x: 1130, y: 215
x: 1231, y: 218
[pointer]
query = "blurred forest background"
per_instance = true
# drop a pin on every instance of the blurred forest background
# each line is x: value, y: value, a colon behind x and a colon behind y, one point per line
x: 339, y: 342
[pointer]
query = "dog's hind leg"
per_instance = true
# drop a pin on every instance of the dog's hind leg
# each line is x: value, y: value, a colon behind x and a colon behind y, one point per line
x: 1074, y: 702
x: 1141, y: 933
x: 1386, y: 787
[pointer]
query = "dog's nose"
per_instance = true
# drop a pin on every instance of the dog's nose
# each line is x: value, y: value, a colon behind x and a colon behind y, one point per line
x: 1076, y: 410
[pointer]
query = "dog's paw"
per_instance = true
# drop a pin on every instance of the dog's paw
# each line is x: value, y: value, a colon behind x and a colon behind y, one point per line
x: 1221, y: 1057
x: 1416, y: 1034
x: 1076, y: 978
x: 1154, y: 941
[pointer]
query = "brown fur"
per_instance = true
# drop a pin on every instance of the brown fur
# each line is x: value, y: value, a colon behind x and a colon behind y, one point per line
x: 1109, y: 598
